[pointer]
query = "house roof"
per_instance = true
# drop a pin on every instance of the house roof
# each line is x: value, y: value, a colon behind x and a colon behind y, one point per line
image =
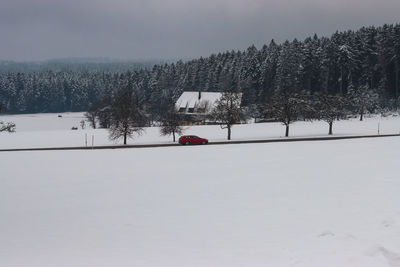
x: 191, y: 99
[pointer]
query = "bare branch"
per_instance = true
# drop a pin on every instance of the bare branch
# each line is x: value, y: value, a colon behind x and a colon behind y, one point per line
x: 7, y: 127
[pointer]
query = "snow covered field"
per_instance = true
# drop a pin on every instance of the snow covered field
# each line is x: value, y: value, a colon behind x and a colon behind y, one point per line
x: 334, y: 203
x: 48, y: 130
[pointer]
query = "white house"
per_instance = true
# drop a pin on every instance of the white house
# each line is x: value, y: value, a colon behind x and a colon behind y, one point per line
x: 197, y: 103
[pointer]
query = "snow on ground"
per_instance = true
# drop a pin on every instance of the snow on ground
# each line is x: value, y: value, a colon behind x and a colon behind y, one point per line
x: 330, y: 203
x: 48, y: 130
x: 333, y: 203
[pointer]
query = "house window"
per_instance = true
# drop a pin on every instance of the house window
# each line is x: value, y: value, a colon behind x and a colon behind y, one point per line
x: 191, y: 110
x: 182, y: 110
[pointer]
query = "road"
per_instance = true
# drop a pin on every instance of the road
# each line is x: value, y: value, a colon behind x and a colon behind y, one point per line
x: 281, y: 140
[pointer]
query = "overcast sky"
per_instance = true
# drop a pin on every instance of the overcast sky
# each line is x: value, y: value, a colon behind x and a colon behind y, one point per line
x: 172, y: 29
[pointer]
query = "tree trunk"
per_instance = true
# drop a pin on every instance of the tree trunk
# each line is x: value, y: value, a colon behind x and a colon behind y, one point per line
x: 396, y: 69
x: 362, y: 114
x: 173, y: 134
x: 229, y: 132
x: 327, y: 81
x: 330, y: 127
x: 287, y: 130
x: 371, y: 82
x: 125, y: 138
x: 341, y: 81
x: 309, y: 84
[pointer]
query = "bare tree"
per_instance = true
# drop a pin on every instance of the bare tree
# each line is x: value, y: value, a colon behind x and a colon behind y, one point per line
x: 329, y: 108
x: 286, y: 107
x: 127, y: 118
x: 92, y: 114
x: 171, y: 123
x: 6, y: 126
x: 228, y: 111
x: 104, y: 117
x: 363, y: 99
x: 104, y: 112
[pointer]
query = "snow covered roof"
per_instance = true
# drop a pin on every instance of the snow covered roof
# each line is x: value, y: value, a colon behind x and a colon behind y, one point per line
x: 196, y: 100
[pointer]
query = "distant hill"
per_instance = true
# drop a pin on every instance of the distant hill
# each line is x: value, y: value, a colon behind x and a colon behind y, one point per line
x: 363, y: 62
x: 78, y: 65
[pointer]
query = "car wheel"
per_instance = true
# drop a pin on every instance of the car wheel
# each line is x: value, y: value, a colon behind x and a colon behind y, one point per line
x: 187, y: 143
x: 203, y: 143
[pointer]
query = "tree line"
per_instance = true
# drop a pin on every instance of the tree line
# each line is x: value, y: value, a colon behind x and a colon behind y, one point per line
x: 77, y: 65
x: 366, y: 58
x: 361, y: 66
x: 124, y: 116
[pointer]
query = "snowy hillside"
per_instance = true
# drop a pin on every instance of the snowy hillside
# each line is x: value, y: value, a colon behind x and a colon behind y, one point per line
x: 332, y: 203
x: 48, y: 130
x: 300, y: 204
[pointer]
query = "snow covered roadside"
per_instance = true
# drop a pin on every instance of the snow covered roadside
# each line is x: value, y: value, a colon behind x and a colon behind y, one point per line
x: 47, y: 130
x: 299, y: 204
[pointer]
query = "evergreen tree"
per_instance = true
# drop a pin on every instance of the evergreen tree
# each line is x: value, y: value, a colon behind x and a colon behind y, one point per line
x: 318, y: 64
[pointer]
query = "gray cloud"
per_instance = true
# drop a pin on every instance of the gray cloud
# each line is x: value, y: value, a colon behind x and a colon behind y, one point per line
x: 127, y: 29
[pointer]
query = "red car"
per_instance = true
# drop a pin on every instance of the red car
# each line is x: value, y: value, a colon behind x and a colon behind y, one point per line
x: 192, y: 140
